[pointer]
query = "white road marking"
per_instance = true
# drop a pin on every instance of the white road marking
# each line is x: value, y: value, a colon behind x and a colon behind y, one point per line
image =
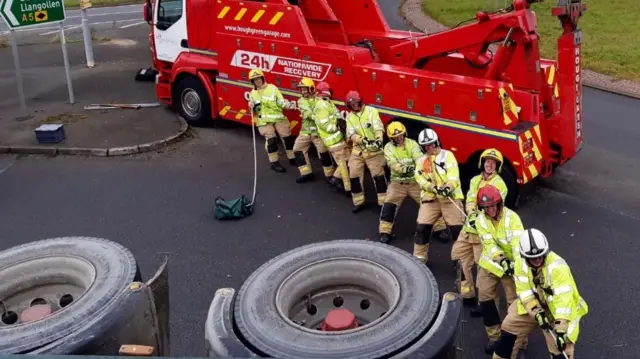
x: 2, y: 170
x: 58, y: 30
x: 131, y: 25
x: 77, y: 26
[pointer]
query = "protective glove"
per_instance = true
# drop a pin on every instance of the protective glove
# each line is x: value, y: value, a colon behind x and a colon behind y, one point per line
x: 446, y: 191
x: 378, y: 144
x: 542, y: 321
x: 561, y: 340
x: 407, y: 170
x: 507, y: 265
x: 471, y: 219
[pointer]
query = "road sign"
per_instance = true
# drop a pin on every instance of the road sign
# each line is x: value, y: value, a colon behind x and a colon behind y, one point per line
x: 26, y: 13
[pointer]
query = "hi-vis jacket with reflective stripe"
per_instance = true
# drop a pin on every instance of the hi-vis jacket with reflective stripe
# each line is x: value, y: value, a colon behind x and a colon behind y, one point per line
x: 398, y: 157
x: 305, y: 106
x: 436, y: 171
x: 271, y: 105
x: 478, y: 182
x: 325, y: 115
x: 500, y: 241
x: 558, y: 292
x: 366, y: 124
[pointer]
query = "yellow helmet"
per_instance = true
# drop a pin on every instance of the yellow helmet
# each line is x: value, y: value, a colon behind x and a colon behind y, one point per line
x: 493, y: 154
x: 395, y: 129
x: 307, y: 82
x: 255, y: 73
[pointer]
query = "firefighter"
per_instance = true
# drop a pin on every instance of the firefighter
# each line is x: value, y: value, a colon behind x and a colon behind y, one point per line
x: 547, y: 297
x: 498, y: 229
x: 401, y: 154
x: 365, y: 130
x: 438, y: 175
x: 326, y: 116
x: 309, y: 134
x: 467, y: 248
x: 267, y: 103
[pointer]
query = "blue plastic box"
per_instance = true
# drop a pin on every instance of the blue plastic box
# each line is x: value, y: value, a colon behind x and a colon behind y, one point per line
x: 53, y: 133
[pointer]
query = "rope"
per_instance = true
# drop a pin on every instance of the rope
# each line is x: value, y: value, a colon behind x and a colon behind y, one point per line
x: 255, y: 161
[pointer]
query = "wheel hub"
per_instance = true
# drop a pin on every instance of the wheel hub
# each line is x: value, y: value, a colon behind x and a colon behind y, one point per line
x: 35, y: 289
x: 352, y: 295
x: 339, y: 320
x: 191, y: 103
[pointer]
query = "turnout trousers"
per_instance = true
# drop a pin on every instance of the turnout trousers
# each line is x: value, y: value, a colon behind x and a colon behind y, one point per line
x: 269, y: 132
x: 301, y: 152
x: 340, y: 153
x: 487, y: 295
x: 467, y: 250
x: 375, y: 162
x: 428, y: 214
x: 397, y: 192
x: 515, y: 327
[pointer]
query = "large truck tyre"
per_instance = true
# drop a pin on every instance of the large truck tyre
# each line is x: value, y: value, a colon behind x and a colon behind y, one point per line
x: 192, y: 101
x: 53, y: 288
x: 394, y: 298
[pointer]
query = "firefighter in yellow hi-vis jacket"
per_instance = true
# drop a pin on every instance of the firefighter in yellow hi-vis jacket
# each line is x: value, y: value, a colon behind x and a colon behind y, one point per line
x: 439, y: 177
x: 401, y: 153
x: 309, y: 134
x: 365, y: 130
x: 267, y: 104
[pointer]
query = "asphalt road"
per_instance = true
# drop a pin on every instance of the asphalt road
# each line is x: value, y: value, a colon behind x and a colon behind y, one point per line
x: 163, y: 202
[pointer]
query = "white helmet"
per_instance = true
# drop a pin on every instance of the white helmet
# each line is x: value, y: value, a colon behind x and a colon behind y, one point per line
x: 427, y: 137
x: 533, y: 244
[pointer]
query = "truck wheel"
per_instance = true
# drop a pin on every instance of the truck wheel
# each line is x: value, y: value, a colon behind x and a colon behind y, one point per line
x: 192, y: 101
x: 282, y: 306
x: 513, y: 188
x: 52, y: 288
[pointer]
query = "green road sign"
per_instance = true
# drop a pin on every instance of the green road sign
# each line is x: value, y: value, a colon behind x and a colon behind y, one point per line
x: 26, y: 13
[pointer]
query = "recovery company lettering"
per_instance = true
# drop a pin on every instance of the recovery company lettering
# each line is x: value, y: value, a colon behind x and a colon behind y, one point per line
x: 578, y: 91
x: 24, y: 13
x: 280, y: 65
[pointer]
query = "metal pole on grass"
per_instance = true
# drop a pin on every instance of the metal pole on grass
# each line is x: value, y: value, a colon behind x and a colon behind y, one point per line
x: 16, y: 64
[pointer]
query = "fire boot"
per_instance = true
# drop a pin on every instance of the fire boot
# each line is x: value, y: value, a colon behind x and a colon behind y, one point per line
x: 276, y: 166
x: 305, y: 178
x: 421, y: 242
x: 385, y: 238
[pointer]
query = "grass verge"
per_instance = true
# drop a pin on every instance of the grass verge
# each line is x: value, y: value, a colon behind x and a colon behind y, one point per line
x: 607, y: 30
x: 70, y: 4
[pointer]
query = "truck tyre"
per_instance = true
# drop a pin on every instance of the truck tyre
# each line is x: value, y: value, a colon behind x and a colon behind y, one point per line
x: 513, y: 195
x: 79, y: 279
x: 280, y: 307
x: 192, y: 101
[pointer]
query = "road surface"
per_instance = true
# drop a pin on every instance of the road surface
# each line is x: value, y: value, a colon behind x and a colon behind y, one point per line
x: 163, y: 202
x: 120, y: 17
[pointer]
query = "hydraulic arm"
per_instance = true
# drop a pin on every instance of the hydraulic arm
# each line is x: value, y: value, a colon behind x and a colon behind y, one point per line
x: 514, y: 27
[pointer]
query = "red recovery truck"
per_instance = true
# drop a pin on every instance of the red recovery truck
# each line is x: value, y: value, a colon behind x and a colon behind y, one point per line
x: 478, y: 86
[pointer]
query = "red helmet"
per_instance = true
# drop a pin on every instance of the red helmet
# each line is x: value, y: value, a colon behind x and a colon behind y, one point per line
x: 353, y: 96
x: 324, y: 89
x: 488, y: 196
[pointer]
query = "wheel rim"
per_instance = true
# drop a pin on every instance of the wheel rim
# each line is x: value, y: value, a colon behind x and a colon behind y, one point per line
x: 191, y: 103
x: 366, y: 289
x: 38, y: 288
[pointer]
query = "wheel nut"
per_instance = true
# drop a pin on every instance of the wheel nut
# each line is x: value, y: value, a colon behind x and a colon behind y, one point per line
x: 338, y: 320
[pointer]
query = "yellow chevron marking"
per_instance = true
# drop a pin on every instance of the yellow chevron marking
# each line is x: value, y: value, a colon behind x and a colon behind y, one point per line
x: 224, y: 110
x: 241, y: 114
x: 257, y: 16
x: 224, y: 12
x: 533, y: 170
x: 536, y: 150
x: 240, y: 14
x: 552, y: 75
x: 276, y: 18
